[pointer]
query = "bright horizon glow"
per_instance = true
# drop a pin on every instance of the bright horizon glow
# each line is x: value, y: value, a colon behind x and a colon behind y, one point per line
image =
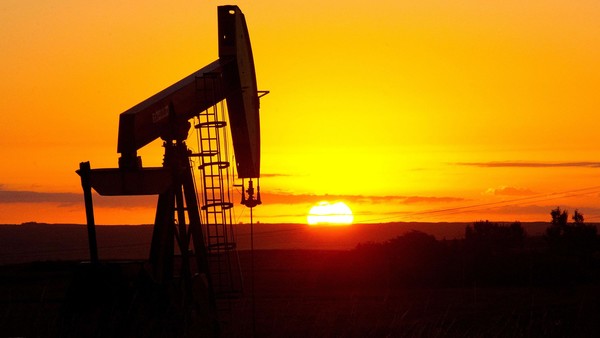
x: 325, y: 213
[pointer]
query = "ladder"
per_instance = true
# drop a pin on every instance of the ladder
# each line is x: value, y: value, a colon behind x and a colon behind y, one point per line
x: 216, y: 205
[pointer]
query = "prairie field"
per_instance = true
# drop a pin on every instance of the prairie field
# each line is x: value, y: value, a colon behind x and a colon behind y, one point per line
x: 315, y: 292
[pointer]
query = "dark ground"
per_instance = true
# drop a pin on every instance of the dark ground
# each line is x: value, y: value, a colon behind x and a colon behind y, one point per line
x: 319, y: 294
x: 297, y: 293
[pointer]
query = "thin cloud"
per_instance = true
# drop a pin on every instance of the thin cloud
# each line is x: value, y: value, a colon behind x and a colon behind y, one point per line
x: 286, y: 198
x: 531, y: 164
x: 144, y: 201
x: 16, y: 196
x: 509, y: 191
x: 268, y: 175
x: 66, y: 199
x: 431, y: 199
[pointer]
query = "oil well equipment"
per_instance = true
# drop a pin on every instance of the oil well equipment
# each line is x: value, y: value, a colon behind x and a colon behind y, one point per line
x: 193, y: 262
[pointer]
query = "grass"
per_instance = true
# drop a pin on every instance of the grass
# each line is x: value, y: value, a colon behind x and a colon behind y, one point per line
x: 310, y: 294
x: 297, y: 304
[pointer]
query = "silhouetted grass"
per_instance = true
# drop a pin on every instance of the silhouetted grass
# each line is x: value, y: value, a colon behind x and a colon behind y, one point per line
x: 410, y: 286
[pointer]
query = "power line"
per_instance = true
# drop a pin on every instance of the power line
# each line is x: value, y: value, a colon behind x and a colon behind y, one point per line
x: 405, y: 215
x: 493, y: 205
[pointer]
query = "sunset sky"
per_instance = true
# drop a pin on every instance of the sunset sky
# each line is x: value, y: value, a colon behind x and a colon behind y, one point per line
x: 405, y: 110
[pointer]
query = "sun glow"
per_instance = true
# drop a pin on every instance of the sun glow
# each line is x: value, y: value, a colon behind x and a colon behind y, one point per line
x: 325, y: 213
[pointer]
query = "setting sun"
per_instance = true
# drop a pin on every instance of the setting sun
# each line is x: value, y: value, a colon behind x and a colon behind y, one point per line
x: 330, y: 214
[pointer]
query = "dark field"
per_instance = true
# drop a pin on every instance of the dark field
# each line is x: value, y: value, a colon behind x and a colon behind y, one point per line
x: 328, y: 293
x: 318, y: 294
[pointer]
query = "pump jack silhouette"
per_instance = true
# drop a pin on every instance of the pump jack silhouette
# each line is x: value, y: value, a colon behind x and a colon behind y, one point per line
x: 187, y: 280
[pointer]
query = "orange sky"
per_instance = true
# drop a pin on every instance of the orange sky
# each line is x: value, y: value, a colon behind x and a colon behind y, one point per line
x: 426, y: 111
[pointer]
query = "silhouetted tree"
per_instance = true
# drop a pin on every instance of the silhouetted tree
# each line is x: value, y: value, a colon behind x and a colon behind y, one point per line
x: 559, y: 217
x: 490, y: 255
x: 578, y: 238
x: 416, y: 258
x: 578, y: 218
x: 486, y: 237
x: 558, y: 225
x: 517, y: 234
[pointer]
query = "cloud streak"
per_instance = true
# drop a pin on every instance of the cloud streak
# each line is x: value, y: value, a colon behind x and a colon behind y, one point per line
x: 509, y: 191
x: 513, y: 164
x: 286, y: 198
x: 66, y: 199
x: 16, y: 196
x: 268, y: 175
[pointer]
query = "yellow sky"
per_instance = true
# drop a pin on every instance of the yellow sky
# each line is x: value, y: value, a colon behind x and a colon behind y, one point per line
x: 406, y: 110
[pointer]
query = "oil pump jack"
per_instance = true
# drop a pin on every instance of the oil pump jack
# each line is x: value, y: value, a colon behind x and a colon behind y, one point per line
x: 191, y: 238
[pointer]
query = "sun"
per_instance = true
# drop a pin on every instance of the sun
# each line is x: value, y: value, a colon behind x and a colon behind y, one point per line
x: 325, y: 213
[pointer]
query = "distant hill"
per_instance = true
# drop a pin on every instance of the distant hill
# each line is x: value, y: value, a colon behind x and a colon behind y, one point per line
x: 44, y: 242
x: 40, y: 242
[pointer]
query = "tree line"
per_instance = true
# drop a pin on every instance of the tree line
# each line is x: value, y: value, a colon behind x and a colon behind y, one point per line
x: 489, y: 254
